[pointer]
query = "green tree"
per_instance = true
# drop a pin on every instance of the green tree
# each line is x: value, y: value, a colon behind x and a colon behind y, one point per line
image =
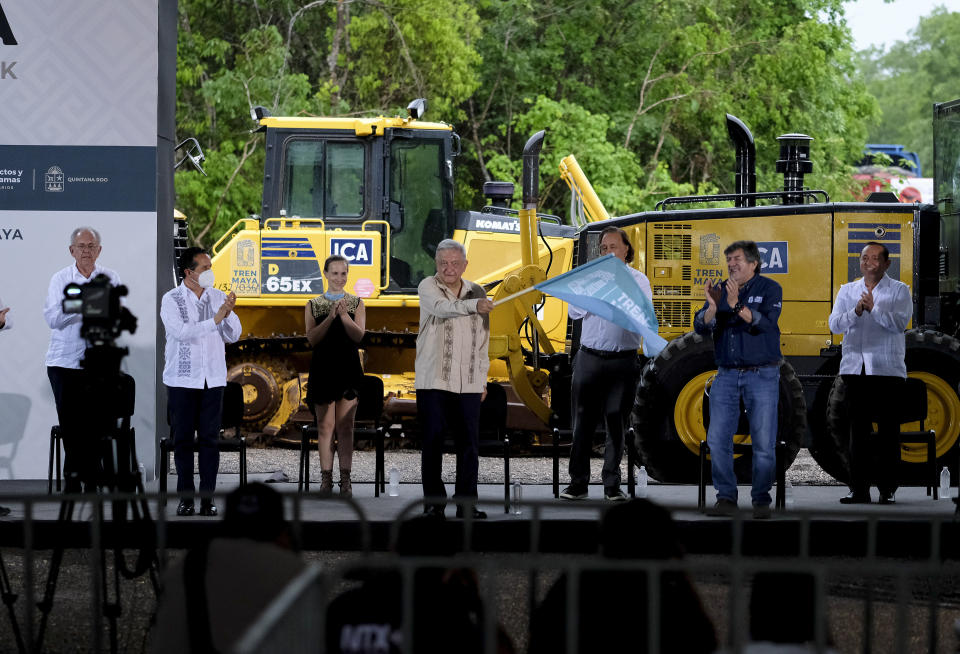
x: 637, y: 89
x: 305, y: 57
x: 909, y: 78
x: 663, y: 75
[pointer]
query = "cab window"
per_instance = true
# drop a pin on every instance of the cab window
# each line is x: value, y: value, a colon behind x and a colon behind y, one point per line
x: 419, y: 211
x: 324, y: 179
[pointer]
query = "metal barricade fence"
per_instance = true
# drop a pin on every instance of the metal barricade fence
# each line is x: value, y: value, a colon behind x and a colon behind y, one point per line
x: 897, y: 605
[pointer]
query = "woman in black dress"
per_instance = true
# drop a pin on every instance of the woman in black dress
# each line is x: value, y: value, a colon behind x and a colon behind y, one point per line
x: 335, y: 323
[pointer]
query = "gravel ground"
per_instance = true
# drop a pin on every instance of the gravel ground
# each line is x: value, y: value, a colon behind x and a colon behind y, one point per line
x: 525, y: 469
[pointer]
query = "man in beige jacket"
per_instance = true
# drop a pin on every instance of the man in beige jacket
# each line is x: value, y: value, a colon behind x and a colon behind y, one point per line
x: 451, y: 369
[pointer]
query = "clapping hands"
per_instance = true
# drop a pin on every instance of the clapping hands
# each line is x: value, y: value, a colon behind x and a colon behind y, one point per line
x: 713, y: 293
x: 228, y: 305
x: 866, y: 302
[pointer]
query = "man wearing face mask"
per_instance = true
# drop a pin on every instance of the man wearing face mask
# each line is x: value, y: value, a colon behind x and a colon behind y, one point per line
x: 198, y: 320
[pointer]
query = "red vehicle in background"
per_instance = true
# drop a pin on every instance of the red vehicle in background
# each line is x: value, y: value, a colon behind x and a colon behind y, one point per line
x: 894, y: 169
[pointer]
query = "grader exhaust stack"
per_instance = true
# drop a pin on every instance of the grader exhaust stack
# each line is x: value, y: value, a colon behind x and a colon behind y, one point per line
x: 529, y: 252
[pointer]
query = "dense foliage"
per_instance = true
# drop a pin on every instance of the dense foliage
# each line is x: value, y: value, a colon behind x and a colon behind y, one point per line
x: 909, y: 78
x: 637, y: 89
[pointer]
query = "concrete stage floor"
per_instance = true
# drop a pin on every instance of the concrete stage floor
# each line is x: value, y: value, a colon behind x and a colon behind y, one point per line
x: 815, y: 522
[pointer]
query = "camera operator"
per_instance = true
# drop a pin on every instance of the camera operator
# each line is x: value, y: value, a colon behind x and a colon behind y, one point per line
x: 66, y: 349
x: 198, y: 319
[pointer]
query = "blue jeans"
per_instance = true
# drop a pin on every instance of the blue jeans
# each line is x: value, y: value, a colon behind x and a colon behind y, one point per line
x: 760, y: 390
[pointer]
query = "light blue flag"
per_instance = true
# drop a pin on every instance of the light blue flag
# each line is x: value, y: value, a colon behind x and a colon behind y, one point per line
x: 605, y: 288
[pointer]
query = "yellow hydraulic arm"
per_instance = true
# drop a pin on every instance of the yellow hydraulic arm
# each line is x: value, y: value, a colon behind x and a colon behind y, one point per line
x: 582, y: 192
x: 516, y: 297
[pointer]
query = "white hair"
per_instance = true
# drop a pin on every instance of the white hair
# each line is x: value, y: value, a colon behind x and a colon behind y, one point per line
x: 80, y: 230
x: 450, y: 244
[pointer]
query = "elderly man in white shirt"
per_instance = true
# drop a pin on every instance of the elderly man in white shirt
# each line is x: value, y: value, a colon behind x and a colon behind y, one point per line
x: 198, y: 320
x: 872, y: 314
x: 451, y: 373
x: 604, y: 383
x: 67, y: 346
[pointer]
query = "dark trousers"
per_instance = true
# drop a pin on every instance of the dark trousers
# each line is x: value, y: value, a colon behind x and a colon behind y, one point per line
x: 195, y: 410
x: 459, y: 413
x: 81, y: 451
x: 600, y: 388
x: 873, y: 398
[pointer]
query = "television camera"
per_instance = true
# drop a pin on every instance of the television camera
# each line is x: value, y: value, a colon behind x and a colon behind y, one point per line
x: 105, y: 404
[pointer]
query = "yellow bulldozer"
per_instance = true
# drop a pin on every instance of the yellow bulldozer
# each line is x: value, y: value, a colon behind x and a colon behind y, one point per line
x: 378, y: 191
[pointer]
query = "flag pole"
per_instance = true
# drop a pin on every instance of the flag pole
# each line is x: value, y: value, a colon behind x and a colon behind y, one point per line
x: 510, y: 298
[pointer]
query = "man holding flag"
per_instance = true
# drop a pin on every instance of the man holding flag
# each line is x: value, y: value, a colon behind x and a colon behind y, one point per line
x: 741, y: 313
x: 605, y: 369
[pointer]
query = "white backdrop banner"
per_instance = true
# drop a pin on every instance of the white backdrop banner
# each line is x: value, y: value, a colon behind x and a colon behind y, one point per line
x: 78, y: 87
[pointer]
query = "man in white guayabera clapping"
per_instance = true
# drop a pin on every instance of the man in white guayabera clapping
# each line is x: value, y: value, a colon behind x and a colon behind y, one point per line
x: 198, y: 320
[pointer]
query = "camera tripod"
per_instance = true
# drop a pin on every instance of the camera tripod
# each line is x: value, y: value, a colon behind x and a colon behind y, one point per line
x: 10, y: 598
x: 118, y: 474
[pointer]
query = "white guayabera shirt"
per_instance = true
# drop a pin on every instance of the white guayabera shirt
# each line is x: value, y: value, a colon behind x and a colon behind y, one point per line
x: 194, y: 355
x: 453, y: 339
x: 873, y: 342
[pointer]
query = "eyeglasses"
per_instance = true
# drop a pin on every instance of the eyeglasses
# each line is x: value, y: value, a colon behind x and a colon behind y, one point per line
x: 86, y: 248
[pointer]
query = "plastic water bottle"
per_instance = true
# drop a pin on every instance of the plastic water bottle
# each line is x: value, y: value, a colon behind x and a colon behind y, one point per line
x: 517, y: 498
x: 788, y: 494
x: 394, y: 488
x: 642, y: 482
x: 944, y: 483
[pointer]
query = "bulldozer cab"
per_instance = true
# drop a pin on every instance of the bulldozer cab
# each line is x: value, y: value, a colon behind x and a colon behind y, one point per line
x: 386, y: 184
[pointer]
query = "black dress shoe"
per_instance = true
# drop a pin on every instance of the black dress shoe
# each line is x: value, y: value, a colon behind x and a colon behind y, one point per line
x: 855, y: 498
x: 208, y: 509
x: 887, y: 498
x: 477, y: 513
x: 185, y: 508
x: 434, y: 511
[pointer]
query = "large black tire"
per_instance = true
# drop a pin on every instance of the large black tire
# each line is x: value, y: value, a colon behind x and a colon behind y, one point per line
x: 823, y: 444
x: 668, y: 413
x: 932, y: 357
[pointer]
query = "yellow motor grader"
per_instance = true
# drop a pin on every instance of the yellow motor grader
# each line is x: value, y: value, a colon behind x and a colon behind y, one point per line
x: 378, y: 191
x: 811, y: 246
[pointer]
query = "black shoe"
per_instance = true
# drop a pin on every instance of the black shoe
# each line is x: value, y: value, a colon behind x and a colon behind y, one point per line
x: 208, y: 508
x: 434, y: 511
x: 185, y: 508
x: 761, y: 512
x: 614, y: 494
x: 855, y: 498
x: 4, y: 510
x: 574, y: 492
x: 887, y: 498
x: 724, y: 508
x: 477, y: 513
